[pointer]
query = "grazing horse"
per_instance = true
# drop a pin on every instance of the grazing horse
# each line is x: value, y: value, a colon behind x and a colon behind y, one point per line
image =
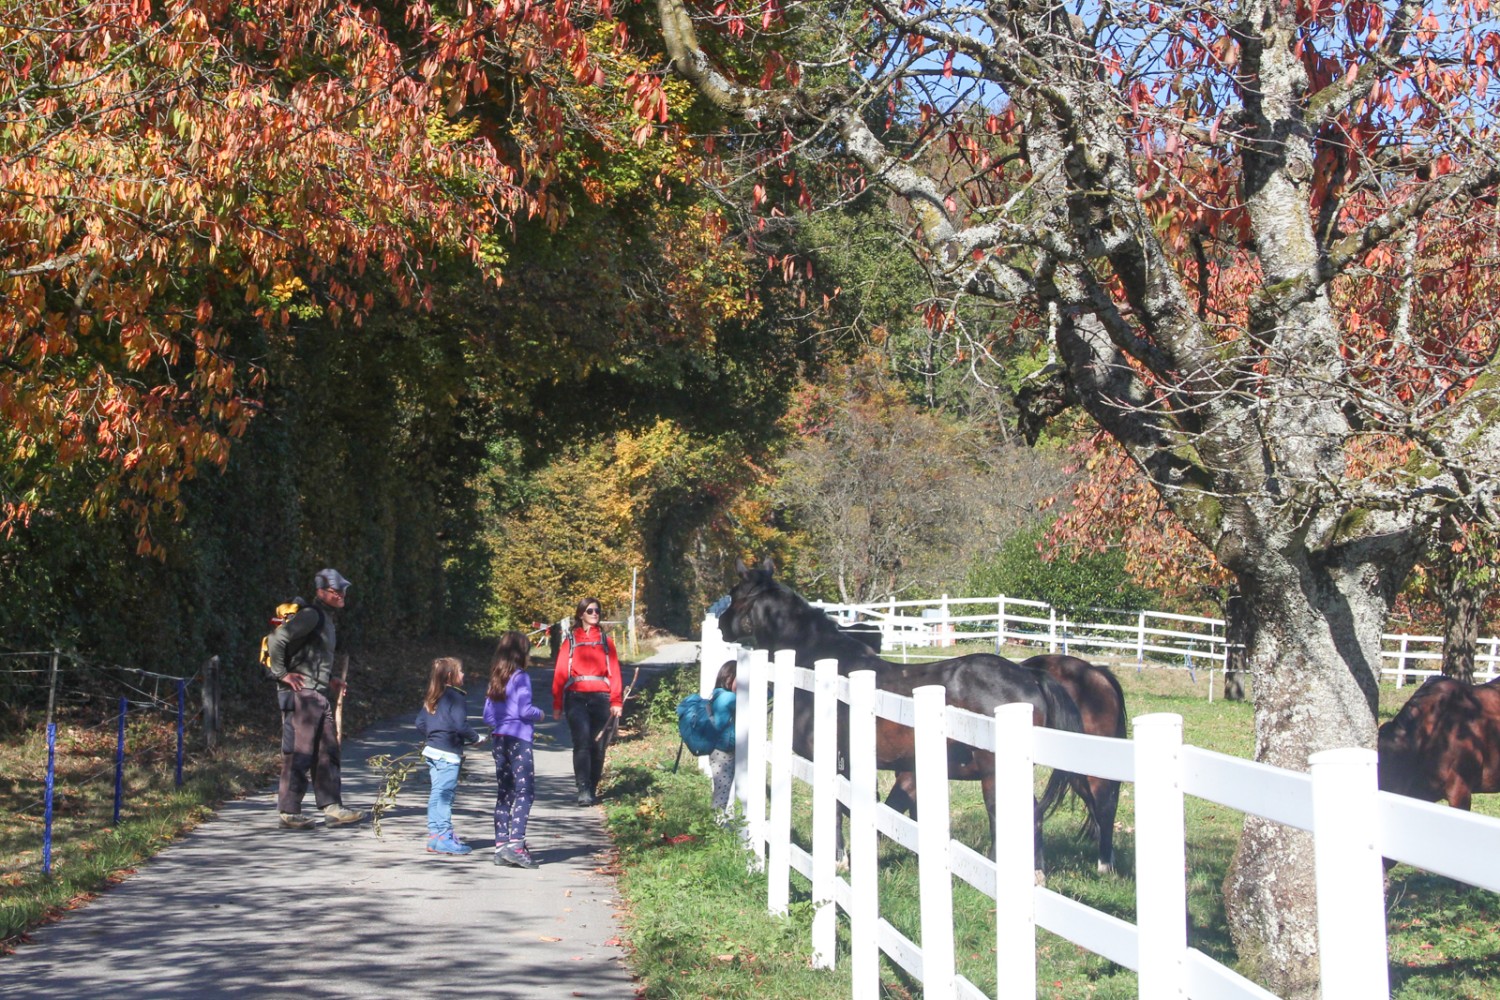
x: 1444, y: 743
x: 774, y: 617
x: 1101, y: 703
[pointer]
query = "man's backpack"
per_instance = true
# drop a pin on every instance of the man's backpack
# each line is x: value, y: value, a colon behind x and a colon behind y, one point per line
x: 285, y: 612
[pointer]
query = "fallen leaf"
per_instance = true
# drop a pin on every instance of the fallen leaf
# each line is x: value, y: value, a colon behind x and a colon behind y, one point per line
x: 546, y: 937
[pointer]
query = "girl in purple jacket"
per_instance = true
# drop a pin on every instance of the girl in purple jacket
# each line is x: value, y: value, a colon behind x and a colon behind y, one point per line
x: 510, y: 714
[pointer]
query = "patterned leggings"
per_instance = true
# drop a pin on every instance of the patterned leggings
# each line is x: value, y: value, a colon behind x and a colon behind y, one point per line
x: 515, y: 781
x: 721, y: 767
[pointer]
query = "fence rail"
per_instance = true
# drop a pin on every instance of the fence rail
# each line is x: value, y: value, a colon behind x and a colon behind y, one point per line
x: 1136, y: 635
x: 1353, y: 825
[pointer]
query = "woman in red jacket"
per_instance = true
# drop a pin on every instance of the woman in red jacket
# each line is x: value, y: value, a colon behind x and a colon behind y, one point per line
x: 586, y: 687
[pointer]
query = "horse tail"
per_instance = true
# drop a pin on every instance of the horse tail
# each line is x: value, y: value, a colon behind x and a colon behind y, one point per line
x: 1063, y: 715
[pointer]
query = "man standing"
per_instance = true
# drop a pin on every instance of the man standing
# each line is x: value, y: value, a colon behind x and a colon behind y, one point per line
x: 302, y: 652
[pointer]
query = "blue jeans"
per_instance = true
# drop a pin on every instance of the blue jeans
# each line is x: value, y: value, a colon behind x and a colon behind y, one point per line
x: 444, y: 775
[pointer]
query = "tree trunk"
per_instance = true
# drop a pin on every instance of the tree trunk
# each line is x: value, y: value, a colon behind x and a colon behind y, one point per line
x: 1234, y: 647
x: 1461, y: 605
x: 1313, y: 646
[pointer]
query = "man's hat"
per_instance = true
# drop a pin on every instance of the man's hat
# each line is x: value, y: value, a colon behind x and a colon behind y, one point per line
x: 330, y: 579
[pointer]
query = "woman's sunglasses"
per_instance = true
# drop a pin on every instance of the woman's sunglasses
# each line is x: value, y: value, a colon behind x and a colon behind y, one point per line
x: 591, y: 611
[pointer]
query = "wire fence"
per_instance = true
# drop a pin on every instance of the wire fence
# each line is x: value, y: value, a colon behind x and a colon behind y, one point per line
x: 86, y: 699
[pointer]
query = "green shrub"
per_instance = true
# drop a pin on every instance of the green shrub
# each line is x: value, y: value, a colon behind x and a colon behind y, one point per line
x: 1068, y: 582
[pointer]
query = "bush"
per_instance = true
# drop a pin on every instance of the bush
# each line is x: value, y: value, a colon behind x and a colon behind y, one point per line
x: 1069, y: 582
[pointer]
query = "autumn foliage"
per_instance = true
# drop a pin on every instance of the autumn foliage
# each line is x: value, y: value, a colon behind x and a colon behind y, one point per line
x: 173, y: 172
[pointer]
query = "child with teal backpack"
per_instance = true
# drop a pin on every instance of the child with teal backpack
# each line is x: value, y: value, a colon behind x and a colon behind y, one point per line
x: 706, y: 726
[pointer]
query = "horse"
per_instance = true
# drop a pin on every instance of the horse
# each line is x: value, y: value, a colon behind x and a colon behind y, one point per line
x: 1101, y: 705
x: 774, y: 617
x: 1101, y: 702
x: 1444, y: 743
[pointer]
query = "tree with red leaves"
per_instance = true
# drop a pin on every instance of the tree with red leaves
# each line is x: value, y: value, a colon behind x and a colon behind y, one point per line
x: 170, y: 170
x: 1260, y: 239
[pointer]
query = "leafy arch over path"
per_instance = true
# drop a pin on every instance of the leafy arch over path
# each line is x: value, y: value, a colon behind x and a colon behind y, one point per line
x: 1262, y: 240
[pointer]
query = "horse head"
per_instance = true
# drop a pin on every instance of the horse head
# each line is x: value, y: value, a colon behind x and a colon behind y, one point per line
x: 745, y: 615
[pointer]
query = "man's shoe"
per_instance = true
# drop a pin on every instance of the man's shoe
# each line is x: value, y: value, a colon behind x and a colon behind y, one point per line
x: 585, y: 797
x: 516, y: 855
x: 337, y: 815
x: 296, y: 821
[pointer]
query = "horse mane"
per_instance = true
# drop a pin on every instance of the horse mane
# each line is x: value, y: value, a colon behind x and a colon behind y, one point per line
x: 793, y: 623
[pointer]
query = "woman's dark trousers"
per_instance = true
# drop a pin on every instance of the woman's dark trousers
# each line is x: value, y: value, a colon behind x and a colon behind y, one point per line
x: 587, y: 712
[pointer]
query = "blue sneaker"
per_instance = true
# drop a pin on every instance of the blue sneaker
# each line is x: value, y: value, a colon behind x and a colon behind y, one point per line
x: 447, y: 843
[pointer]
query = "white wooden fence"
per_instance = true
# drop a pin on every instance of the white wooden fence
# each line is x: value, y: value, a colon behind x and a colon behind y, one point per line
x: 1137, y: 635
x: 1353, y: 825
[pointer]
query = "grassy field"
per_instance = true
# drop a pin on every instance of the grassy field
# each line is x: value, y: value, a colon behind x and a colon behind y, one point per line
x: 698, y: 926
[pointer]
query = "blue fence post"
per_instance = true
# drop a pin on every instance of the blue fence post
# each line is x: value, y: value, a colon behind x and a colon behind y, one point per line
x: 181, y: 698
x: 47, y: 823
x: 51, y: 767
x: 120, y: 762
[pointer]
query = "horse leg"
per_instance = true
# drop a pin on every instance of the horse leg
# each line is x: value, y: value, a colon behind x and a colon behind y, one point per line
x: 903, y: 794
x: 1457, y: 793
x: 1039, y: 861
x: 1106, y: 804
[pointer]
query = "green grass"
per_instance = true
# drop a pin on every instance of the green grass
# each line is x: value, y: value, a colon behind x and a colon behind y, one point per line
x: 698, y: 927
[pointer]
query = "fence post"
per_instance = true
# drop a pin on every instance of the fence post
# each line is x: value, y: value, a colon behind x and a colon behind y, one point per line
x: 934, y: 861
x: 825, y: 816
x: 1401, y: 664
x: 1160, y: 856
x: 1350, y: 876
x: 755, y: 770
x: 51, y: 766
x: 1140, y: 638
x: 1000, y: 626
x: 864, y: 872
x: 181, y: 706
x: 711, y: 656
x: 211, y: 703
x: 742, y: 736
x: 1015, y: 879
x: 1051, y: 629
x: 120, y: 763
x: 779, y: 834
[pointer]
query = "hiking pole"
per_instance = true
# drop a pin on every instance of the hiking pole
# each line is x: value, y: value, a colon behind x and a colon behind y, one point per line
x: 607, y: 734
x: 681, y: 745
x: 338, y: 703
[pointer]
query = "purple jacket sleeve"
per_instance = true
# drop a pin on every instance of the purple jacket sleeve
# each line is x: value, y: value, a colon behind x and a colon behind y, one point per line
x: 491, y: 713
x: 525, y: 710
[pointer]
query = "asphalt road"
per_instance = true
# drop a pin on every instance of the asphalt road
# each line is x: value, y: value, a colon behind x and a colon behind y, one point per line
x: 241, y: 908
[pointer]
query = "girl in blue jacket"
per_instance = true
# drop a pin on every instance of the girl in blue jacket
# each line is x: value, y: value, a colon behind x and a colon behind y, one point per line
x: 444, y: 724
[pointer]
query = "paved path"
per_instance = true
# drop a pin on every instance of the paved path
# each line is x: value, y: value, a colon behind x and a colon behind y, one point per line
x: 242, y: 908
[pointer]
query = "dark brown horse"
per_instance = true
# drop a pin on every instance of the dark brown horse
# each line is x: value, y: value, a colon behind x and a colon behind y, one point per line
x: 771, y: 616
x: 1101, y: 703
x: 1444, y: 743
